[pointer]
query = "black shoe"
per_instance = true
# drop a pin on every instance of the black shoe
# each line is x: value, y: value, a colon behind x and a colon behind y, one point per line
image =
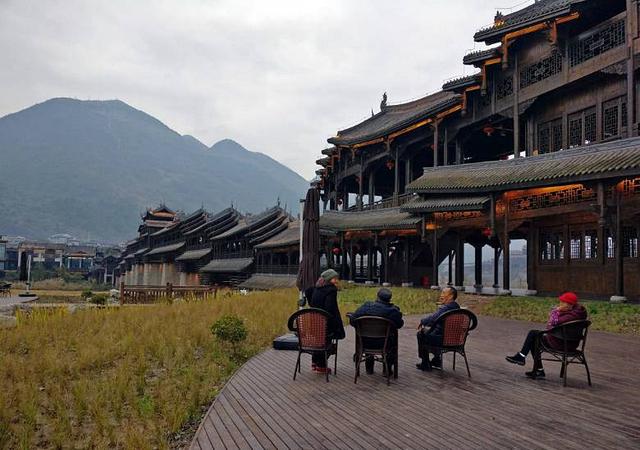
x: 369, y: 370
x: 436, y: 363
x: 517, y: 359
x: 422, y: 366
x: 535, y: 373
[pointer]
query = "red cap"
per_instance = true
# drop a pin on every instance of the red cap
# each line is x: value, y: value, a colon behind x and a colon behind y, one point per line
x: 569, y: 297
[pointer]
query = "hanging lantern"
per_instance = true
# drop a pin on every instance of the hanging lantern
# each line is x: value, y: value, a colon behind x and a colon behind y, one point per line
x: 358, y: 179
x: 390, y: 164
x: 487, y: 232
x: 339, y: 201
x: 488, y: 130
x: 336, y: 251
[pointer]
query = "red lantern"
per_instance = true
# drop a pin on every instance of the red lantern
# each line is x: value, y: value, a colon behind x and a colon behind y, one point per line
x: 488, y: 130
x: 336, y: 251
x: 390, y: 164
x: 487, y: 232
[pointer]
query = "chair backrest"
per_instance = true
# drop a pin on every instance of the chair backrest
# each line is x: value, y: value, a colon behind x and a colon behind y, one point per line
x: 373, y: 327
x: 311, y: 326
x: 456, y: 325
x: 571, y: 333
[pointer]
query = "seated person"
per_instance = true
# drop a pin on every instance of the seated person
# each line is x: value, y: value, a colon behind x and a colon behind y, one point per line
x: 447, y: 302
x: 382, y: 307
x: 325, y: 296
x: 567, y: 311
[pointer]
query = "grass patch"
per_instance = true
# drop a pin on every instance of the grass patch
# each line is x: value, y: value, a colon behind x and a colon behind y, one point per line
x: 616, y: 318
x: 123, y: 377
x: 409, y: 300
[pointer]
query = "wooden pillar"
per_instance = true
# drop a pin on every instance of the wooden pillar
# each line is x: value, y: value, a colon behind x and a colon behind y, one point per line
x: 632, y: 33
x: 496, y: 267
x: 619, y: 245
x: 385, y: 262
x: 506, y: 259
x: 343, y: 257
x: 407, y: 172
x: 450, y: 269
x: 435, y: 279
x: 407, y: 260
x: 602, y: 221
x: 530, y: 136
x: 459, y: 278
x: 478, y: 266
x: 516, y: 108
x: 370, y: 273
x: 445, y: 149
x: 459, y: 151
x: 345, y: 199
x: 372, y: 187
x: 396, y: 178
x: 352, y: 261
x: 436, y: 142
x: 532, y: 258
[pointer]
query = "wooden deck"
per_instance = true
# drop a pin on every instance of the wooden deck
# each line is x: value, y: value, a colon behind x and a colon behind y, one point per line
x: 261, y: 407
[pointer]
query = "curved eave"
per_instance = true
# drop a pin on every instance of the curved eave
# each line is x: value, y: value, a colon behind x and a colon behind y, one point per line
x: 461, y: 83
x: 397, y: 127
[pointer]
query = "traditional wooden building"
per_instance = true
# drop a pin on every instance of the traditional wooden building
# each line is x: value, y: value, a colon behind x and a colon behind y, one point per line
x: 538, y: 145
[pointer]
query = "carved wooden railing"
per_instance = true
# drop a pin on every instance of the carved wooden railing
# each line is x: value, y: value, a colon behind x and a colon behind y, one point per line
x: 130, y: 294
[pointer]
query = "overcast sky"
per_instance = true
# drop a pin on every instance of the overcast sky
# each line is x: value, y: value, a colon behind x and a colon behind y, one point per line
x: 278, y: 76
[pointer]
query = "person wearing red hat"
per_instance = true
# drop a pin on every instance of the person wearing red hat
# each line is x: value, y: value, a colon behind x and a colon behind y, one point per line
x: 568, y: 310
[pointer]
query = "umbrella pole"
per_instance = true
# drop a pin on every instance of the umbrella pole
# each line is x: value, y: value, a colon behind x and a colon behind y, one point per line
x: 301, y: 299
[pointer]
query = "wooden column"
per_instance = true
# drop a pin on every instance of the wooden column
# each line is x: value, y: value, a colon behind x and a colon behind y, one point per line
x: 619, y: 245
x: 530, y: 136
x: 459, y: 278
x: 516, y: 108
x: 445, y: 149
x: 407, y: 260
x: 407, y: 172
x: 352, y: 261
x: 532, y: 258
x: 345, y: 199
x: 370, y: 260
x: 396, y: 178
x: 372, y: 187
x: 450, y: 271
x: 632, y: 34
x: 385, y: 262
x: 496, y: 267
x: 459, y: 151
x: 436, y: 142
x: 435, y: 281
x: 343, y: 257
x: 361, y: 185
x: 506, y: 258
x: 478, y: 266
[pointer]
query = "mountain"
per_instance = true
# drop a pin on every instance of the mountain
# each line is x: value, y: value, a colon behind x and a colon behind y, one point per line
x: 89, y: 168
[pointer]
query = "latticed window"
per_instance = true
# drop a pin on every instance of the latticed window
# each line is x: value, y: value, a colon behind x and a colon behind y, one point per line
x: 550, y: 136
x: 543, y: 69
x: 504, y: 86
x: 630, y: 242
x: 575, y: 245
x: 582, y: 127
x: 614, y: 117
x: 551, y: 245
x: 597, y: 42
x: 590, y: 244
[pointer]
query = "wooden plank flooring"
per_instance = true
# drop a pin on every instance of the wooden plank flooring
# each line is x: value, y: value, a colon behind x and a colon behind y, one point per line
x: 263, y: 408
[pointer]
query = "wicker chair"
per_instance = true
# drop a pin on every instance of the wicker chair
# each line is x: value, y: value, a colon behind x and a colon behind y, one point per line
x: 311, y: 327
x: 456, y: 325
x: 383, y: 330
x: 572, y: 335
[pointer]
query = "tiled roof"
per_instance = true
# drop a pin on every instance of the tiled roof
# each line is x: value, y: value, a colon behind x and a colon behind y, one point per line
x: 462, y: 82
x: 231, y: 265
x: 395, y: 117
x: 266, y: 282
x: 593, y: 162
x: 446, y: 204
x: 193, y: 255
x: 288, y: 237
x: 481, y: 55
x: 379, y: 219
x: 538, y: 12
x: 140, y: 252
x: 166, y: 249
x: 323, y: 161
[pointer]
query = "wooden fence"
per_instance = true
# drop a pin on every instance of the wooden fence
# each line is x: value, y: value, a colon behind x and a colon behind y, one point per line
x: 153, y: 294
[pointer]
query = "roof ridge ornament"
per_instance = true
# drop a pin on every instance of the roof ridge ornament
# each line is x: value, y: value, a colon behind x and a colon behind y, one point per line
x: 383, y: 103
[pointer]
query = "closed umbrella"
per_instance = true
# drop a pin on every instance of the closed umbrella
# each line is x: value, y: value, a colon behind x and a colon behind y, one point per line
x: 309, y: 269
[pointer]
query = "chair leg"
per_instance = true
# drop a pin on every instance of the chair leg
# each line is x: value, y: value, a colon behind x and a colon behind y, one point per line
x: 326, y: 365
x: 464, y: 354
x: 297, y: 368
x: 335, y: 361
x: 395, y: 366
x: 564, y: 370
x: 358, y: 360
x: 586, y: 366
x: 454, y: 361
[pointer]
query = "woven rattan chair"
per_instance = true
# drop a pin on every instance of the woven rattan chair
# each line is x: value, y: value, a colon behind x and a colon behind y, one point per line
x: 311, y: 326
x: 456, y: 325
x: 383, y: 331
x: 572, y: 337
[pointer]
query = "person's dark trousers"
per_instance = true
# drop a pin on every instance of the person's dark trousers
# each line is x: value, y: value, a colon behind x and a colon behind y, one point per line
x: 318, y: 359
x: 379, y: 343
x: 431, y: 340
x: 532, y: 344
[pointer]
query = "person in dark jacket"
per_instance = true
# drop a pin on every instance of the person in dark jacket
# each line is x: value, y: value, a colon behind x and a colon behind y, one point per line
x: 447, y: 302
x: 567, y: 311
x: 382, y: 307
x: 325, y: 296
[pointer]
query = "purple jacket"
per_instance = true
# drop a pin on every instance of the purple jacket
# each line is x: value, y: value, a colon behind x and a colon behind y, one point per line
x: 557, y: 317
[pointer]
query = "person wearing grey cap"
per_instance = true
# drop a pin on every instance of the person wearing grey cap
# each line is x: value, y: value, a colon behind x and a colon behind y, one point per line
x: 382, y: 307
x: 325, y: 296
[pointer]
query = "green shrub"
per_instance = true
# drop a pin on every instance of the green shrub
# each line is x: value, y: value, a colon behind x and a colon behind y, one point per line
x: 229, y: 329
x: 99, y: 299
x: 86, y: 294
